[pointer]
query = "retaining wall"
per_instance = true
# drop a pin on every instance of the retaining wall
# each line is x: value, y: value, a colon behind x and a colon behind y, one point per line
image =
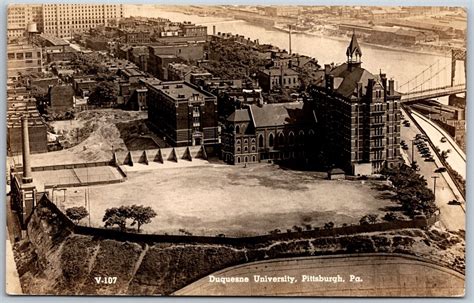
x: 237, y: 241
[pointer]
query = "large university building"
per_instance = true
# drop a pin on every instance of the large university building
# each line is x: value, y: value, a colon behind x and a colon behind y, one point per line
x: 359, y: 116
x: 185, y: 114
x: 60, y: 20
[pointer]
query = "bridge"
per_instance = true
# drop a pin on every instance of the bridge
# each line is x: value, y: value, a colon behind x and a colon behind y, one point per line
x: 433, y: 93
x: 431, y: 82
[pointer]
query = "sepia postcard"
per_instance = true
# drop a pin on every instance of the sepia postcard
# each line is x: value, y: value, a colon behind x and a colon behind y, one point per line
x: 236, y: 150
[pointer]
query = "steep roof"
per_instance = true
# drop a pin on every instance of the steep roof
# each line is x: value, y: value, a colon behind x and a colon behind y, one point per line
x: 353, y: 48
x: 239, y: 115
x: 278, y: 114
x: 345, y: 79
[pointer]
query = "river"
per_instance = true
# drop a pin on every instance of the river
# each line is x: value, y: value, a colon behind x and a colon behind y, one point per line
x: 397, y: 64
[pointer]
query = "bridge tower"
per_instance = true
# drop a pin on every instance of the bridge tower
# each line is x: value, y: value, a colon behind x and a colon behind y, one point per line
x: 457, y: 54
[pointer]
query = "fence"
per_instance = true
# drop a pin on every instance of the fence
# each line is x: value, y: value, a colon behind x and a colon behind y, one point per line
x: 238, y: 241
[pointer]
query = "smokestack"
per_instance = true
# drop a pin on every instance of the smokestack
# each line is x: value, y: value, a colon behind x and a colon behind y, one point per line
x: 214, y: 30
x: 26, y: 151
x: 327, y: 69
x: 289, y: 37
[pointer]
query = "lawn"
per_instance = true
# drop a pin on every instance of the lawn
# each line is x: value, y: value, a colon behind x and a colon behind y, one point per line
x: 214, y: 199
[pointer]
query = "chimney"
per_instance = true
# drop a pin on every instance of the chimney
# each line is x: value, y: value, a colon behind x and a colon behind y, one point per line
x: 327, y: 69
x: 359, y: 89
x: 391, y: 87
x: 214, y: 30
x: 26, y: 151
x: 383, y: 78
x: 370, y: 86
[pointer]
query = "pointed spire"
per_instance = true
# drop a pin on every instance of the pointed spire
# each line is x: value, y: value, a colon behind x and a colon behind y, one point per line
x: 353, y: 52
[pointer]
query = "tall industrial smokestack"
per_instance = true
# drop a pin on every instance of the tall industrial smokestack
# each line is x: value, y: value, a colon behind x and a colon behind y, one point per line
x: 289, y: 38
x: 214, y: 30
x: 27, y: 178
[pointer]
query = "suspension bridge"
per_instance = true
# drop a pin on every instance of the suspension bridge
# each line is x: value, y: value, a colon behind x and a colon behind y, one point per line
x: 431, y: 82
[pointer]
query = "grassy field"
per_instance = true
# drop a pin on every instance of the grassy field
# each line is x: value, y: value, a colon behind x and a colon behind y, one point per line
x: 214, y: 199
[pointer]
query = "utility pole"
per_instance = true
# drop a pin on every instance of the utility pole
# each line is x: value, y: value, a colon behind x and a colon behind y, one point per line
x: 434, y: 185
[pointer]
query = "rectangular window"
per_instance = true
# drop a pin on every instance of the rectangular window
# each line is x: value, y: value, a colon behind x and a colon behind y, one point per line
x: 11, y: 56
x: 28, y: 55
x: 19, y: 56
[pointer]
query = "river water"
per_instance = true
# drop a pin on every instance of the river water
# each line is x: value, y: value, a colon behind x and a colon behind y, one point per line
x: 397, y: 64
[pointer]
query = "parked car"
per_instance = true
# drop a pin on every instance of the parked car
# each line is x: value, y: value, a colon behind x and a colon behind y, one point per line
x: 454, y: 202
x: 404, y: 147
x: 440, y: 169
x: 430, y: 159
x: 443, y: 139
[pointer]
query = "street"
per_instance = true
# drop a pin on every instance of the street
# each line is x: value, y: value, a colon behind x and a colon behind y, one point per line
x: 452, y: 216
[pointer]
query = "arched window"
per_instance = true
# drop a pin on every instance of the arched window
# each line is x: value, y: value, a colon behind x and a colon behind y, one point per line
x: 254, y: 159
x: 246, y: 159
x: 246, y: 141
x: 260, y: 140
x: 238, y: 159
x: 237, y: 142
x: 237, y: 129
x: 246, y: 149
x: 301, y: 137
x: 281, y: 139
x: 253, y: 141
x: 291, y: 138
x: 311, y: 133
x: 253, y: 148
x: 270, y: 140
x: 238, y: 149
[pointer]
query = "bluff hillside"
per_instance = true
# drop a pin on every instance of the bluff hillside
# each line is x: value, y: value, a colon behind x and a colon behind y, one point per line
x: 55, y: 260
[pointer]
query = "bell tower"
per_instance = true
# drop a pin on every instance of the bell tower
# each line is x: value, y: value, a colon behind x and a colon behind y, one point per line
x: 353, y: 53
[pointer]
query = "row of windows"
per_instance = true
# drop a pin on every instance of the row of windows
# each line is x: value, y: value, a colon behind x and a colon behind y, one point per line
x: 280, y: 139
x: 245, y: 159
x: 246, y: 149
x: 21, y: 56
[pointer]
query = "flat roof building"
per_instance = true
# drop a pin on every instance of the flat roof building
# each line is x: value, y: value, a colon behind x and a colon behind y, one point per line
x: 23, y: 60
x: 65, y: 20
x: 185, y: 114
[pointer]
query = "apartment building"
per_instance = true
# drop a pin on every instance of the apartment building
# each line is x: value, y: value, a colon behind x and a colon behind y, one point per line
x: 20, y: 16
x: 64, y: 20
